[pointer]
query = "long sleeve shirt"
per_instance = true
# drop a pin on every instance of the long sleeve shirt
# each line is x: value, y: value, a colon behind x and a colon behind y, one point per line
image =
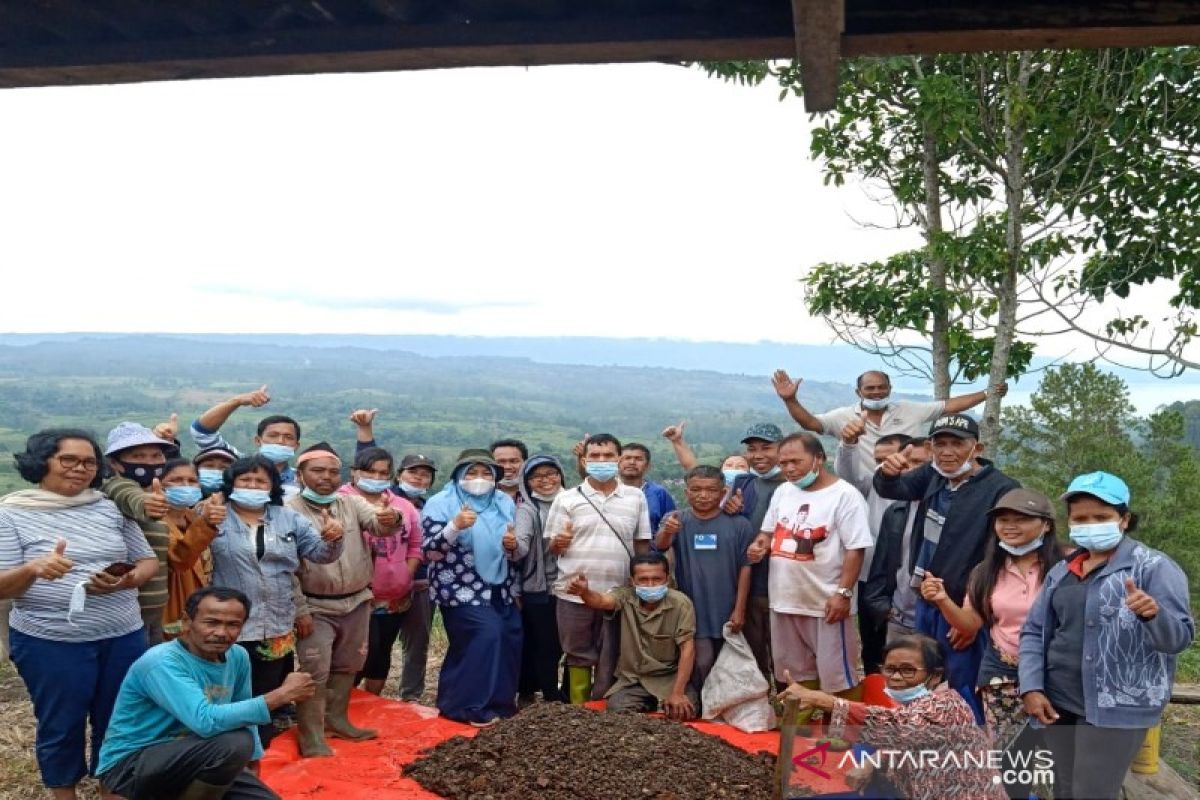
x: 169, y: 693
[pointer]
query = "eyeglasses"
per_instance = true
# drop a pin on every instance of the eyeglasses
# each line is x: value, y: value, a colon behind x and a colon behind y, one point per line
x: 907, y: 672
x: 69, y: 463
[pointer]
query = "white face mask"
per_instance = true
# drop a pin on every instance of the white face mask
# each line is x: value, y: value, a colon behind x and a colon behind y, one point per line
x: 477, y: 487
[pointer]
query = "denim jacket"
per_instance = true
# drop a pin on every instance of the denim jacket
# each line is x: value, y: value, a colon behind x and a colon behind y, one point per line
x: 1129, y: 663
x: 288, y: 537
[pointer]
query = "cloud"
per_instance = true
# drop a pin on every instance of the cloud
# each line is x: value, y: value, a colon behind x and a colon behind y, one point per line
x: 327, y: 300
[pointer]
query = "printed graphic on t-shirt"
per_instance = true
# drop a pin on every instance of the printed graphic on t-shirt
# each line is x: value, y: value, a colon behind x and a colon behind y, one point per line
x: 796, y: 539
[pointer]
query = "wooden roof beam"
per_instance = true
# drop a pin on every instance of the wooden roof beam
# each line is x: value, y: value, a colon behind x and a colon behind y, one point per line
x: 819, y: 25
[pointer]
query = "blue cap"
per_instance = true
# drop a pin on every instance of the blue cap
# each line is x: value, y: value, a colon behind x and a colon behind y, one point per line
x: 1101, y: 485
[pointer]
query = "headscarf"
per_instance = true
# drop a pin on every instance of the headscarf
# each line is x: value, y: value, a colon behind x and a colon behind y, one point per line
x: 494, y: 513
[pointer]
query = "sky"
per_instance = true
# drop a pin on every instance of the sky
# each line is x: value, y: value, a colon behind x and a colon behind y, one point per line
x: 618, y: 200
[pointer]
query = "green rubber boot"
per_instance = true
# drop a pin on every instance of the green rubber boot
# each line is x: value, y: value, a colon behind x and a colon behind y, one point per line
x: 337, y: 704
x: 579, y: 684
x: 310, y: 723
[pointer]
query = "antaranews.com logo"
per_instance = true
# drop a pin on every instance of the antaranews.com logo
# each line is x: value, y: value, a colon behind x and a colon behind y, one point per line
x: 1012, y: 767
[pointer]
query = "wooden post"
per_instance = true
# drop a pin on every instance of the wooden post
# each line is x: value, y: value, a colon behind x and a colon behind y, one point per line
x: 818, y: 25
x: 787, y: 738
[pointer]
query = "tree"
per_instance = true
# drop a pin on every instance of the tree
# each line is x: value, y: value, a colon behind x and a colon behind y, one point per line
x: 1080, y: 420
x: 1033, y: 178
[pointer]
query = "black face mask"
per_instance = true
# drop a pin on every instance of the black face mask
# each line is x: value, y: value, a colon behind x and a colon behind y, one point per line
x: 141, y: 474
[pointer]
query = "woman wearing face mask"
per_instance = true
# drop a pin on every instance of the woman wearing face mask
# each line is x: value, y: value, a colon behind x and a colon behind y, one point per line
x: 192, y: 524
x: 541, y: 482
x: 1097, y: 653
x: 470, y: 544
x: 930, y: 717
x: 396, y: 559
x: 257, y: 551
x: 211, y: 464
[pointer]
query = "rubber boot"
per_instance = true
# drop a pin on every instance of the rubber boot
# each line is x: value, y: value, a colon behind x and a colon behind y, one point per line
x: 199, y: 790
x: 337, y: 704
x: 579, y: 684
x: 310, y: 722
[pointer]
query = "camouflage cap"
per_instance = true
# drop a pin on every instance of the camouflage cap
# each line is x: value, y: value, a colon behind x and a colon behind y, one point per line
x: 765, y: 431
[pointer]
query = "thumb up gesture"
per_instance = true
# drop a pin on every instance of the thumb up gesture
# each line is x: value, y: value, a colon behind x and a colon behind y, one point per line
x: 509, y: 541
x: 855, y: 428
x: 386, y: 516
x: 465, y: 518
x: 735, y: 504
x: 168, y: 430
x: 212, y: 510
x: 54, y: 564
x: 897, y: 463
x: 670, y: 524
x: 562, y: 539
x: 331, y: 529
x: 674, y: 433
x: 156, y: 505
x: 933, y: 590
x: 1139, y: 602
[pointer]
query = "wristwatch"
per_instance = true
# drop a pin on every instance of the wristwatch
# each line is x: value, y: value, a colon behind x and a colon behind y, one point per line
x: 844, y: 592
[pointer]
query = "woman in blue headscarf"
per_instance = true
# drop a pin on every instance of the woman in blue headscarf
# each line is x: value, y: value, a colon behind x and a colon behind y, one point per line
x: 469, y: 543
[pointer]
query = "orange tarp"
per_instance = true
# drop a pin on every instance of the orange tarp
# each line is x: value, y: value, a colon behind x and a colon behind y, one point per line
x: 371, y: 770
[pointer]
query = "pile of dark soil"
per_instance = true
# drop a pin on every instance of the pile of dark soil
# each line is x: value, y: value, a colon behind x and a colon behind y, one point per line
x: 553, y: 751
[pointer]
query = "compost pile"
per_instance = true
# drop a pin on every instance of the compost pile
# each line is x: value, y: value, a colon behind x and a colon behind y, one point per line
x: 554, y: 751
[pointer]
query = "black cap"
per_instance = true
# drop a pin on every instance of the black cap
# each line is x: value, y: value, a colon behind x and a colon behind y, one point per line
x: 416, y: 460
x: 959, y: 425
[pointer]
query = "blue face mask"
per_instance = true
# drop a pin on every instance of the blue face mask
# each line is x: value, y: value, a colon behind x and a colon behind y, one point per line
x: 412, y: 491
x: 807, y: 480
x: 875, y: 405
x: 276, y: 453
x: 211, y: 479
x: 374, y: 485
x: 1098, y: 537
x: 651, y: 594
x: 603, y: 471
x: 250, y: 498
x: 732, y: 475
x: 771, y: 473
x: 319, y: 499
x: 1020, y: 549
x: 183, y: 496
x: 906, y: 696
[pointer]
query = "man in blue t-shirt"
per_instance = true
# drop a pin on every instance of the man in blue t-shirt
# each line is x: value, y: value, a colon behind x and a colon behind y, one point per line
x: 711, y: 565
x: 634, y: 464
x: 184, y: 725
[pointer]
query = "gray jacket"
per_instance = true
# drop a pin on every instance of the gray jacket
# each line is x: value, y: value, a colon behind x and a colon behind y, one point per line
x: 538, y: 569
x: 1129, y: 663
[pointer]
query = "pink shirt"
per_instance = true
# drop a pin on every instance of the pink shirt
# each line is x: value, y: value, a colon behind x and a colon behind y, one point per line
x: 1011, y: 599
x: 391, y: 553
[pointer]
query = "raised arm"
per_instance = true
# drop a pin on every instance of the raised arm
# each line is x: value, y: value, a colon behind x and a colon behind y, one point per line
x: 957, y: 405
x: 204, y: 429
x: 787, y: 389
x: 896, y: 479
x: 578, y: 586
x: 364, y: 423
x: 683, y: 453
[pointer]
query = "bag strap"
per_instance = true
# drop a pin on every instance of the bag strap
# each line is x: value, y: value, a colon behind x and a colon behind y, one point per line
x: 620, y: 538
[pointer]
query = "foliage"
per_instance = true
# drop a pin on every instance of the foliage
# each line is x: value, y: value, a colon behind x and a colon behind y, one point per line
x: 1080, y: 420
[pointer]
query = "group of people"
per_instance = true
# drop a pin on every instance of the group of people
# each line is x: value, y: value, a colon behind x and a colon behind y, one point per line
x: 133, y: 572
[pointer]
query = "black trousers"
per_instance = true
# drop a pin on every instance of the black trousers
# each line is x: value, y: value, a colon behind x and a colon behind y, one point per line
x: 1089, y: 762
x: 541, y: 651
x: 872, y: 635
x: 163, y: 771
x: 267, y: 676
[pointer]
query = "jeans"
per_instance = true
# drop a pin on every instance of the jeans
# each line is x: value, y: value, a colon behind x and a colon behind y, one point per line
x: 71, y: 683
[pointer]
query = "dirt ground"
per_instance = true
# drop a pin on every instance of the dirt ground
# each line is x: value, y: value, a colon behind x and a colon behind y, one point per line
x: 19, y: 778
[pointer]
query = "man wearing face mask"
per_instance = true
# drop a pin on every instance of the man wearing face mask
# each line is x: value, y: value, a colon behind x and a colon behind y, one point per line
x: 751, y: 496
x: 594, y: 530
x: 816, y: 533
x: 658, y: 626
x: 510, y: 454
x: 334, y: 620
x: 955, y: 492
x: 880, y: 413
x: 277, y: 437
x: 135, y: 460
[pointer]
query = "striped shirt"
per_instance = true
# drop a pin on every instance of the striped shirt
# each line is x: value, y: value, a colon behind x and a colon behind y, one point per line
x: 595, y: 550
x: 97, y: 535
x: 130, y: 500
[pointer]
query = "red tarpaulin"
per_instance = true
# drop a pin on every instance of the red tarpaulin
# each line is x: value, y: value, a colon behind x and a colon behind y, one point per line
x: 371, y: 770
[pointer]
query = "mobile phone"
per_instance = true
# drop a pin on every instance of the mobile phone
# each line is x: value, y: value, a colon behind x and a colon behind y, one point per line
x: 118, y: 568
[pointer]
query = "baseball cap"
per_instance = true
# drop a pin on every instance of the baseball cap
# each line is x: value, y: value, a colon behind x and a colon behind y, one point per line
x: 415, y: 460
x: 131, y: 434
x: 763, y: 430
x: 1101, y: 485
x: 960, y: 425
x: 1025, y: 501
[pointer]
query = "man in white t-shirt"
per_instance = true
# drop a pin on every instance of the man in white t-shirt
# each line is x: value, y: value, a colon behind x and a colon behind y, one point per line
x: 880, y: 413
x: 815, y: 532
x: 594, y: 530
